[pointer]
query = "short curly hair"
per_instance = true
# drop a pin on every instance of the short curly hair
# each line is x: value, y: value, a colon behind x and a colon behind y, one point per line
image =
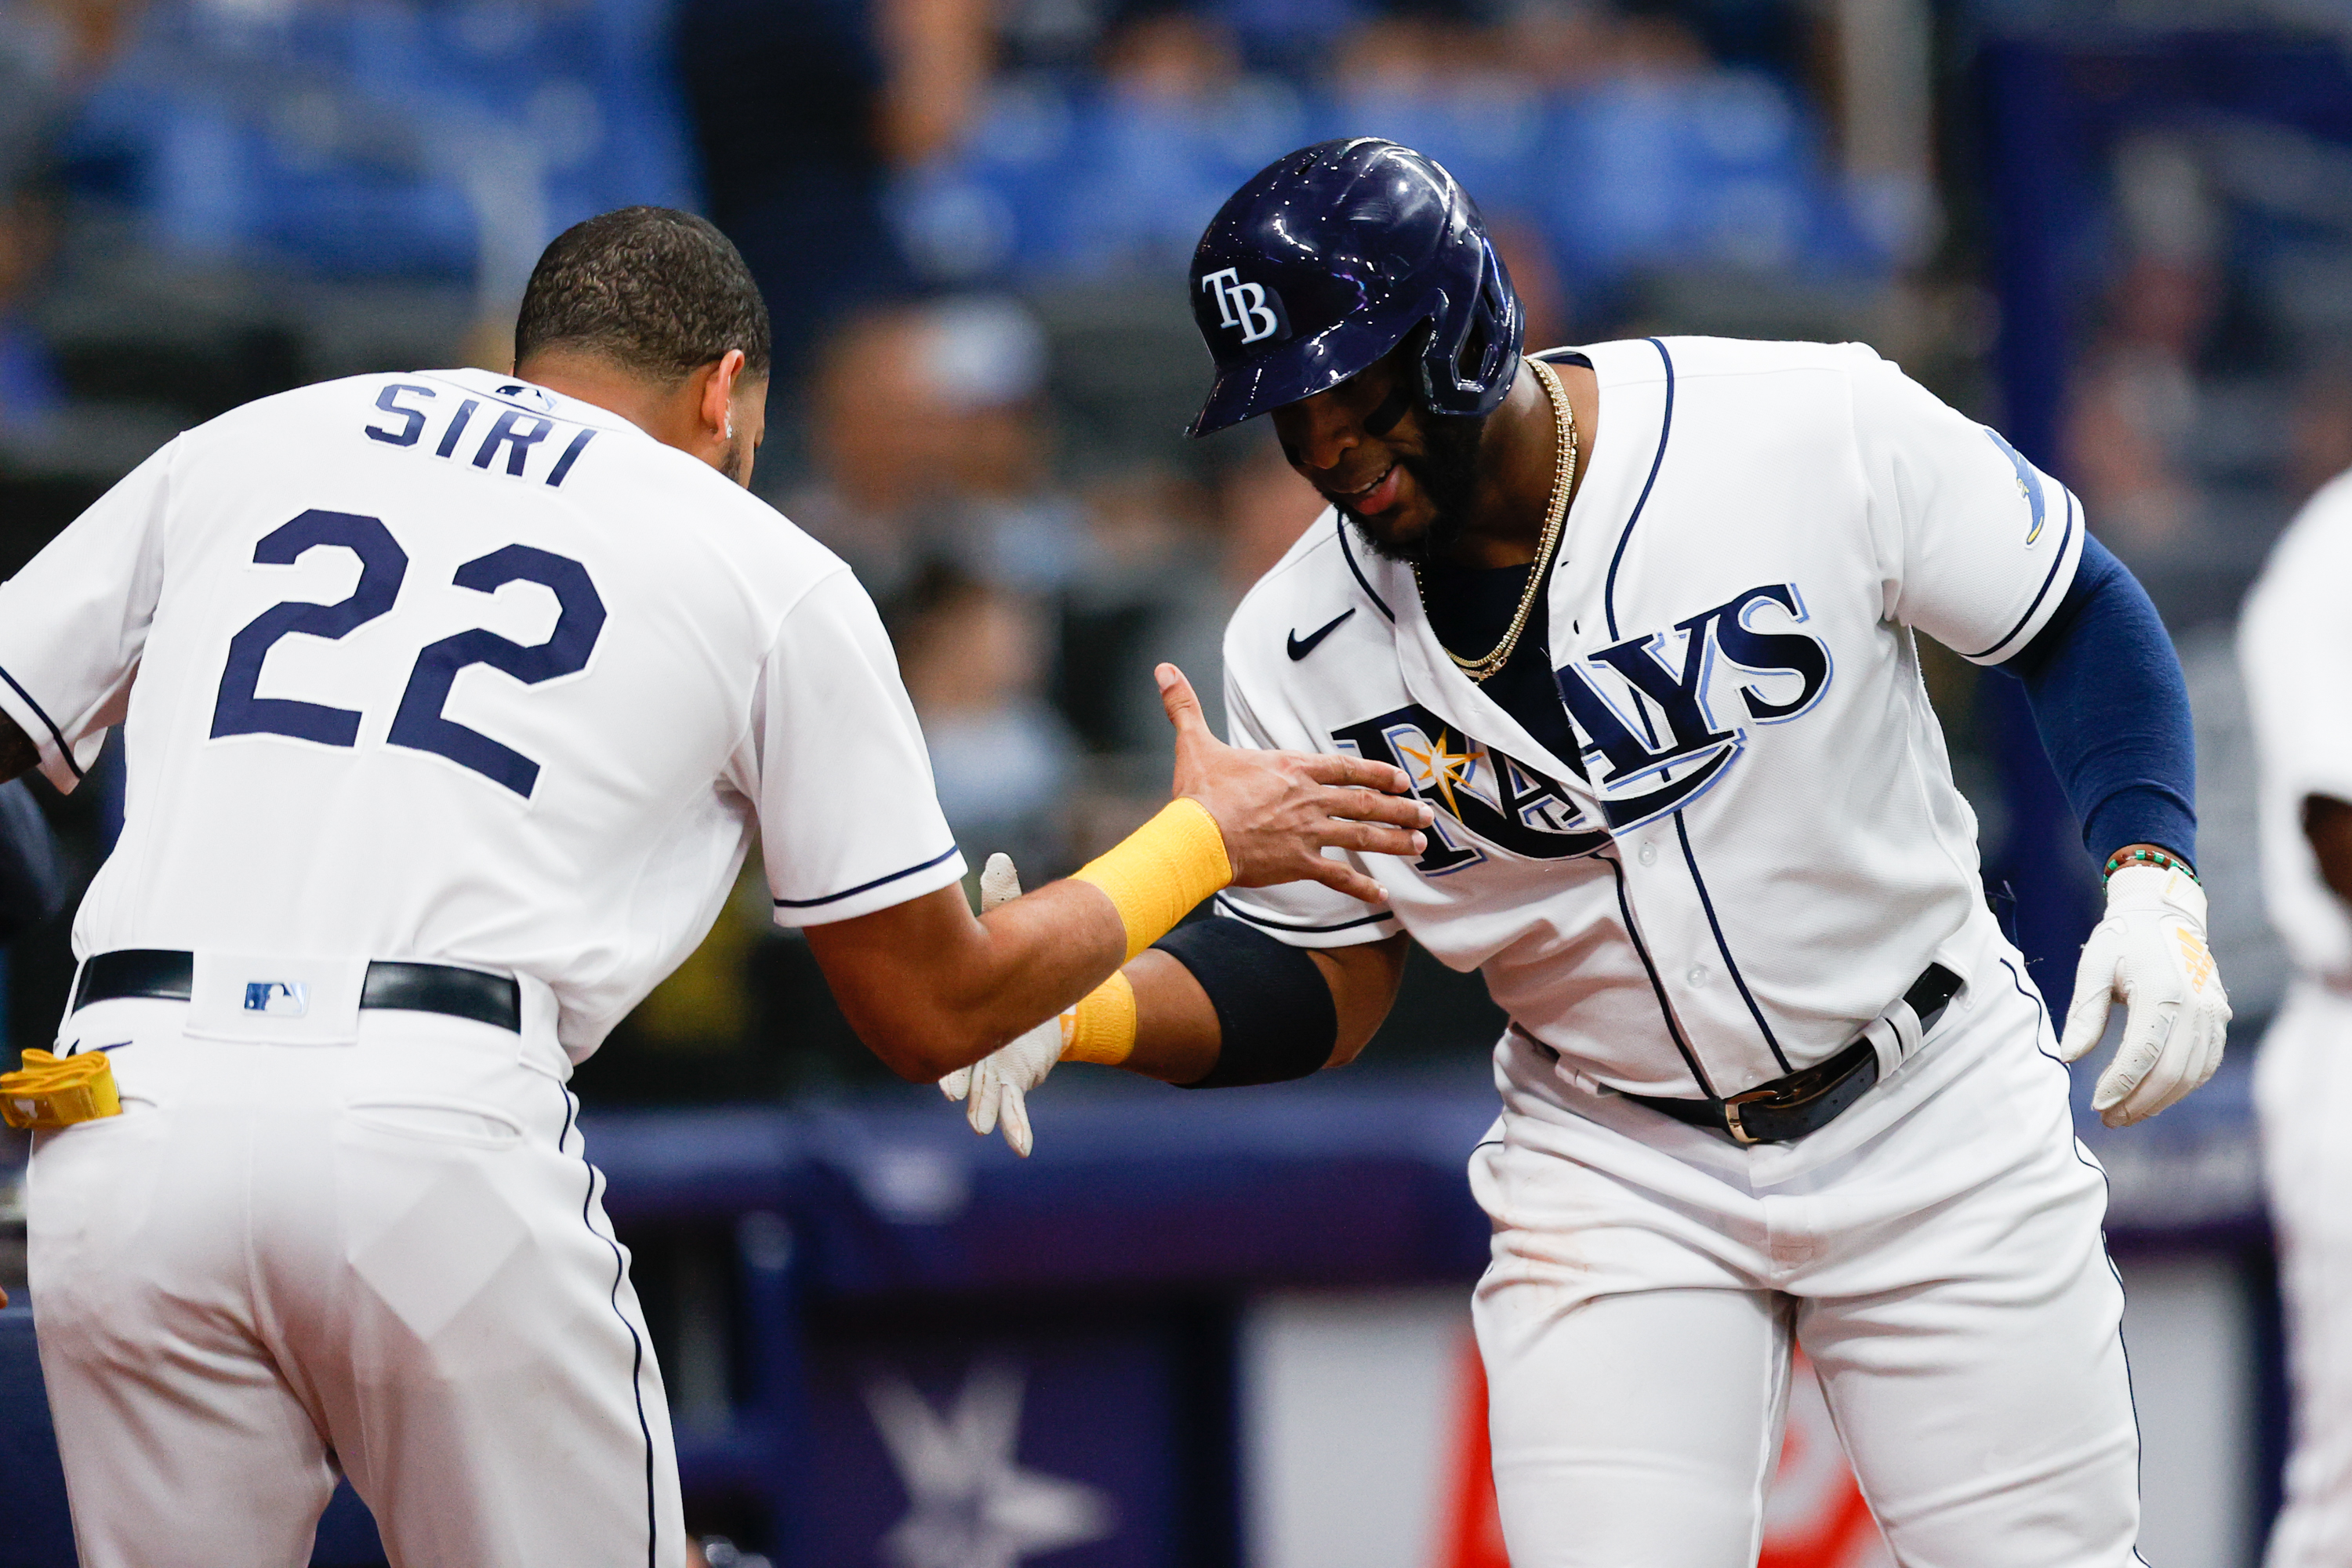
x: 657, y: 290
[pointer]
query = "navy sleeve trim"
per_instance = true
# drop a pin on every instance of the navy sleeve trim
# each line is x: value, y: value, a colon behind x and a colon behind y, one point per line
x: 1361, y: 581
x: 2064, y: 540
x: 42, y: 714
x: 1666, y: 428
x: 949, y: 853
x: 1241, y: 914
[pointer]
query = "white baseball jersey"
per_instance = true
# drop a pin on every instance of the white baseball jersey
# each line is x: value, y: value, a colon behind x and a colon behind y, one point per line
x: 1758, y: 847
x: 2297, y: 662
x: 445, y: 667
x: 2296, y: 658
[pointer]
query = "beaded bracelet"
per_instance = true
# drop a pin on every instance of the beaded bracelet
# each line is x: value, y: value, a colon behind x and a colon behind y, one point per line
x: 2121, y: 859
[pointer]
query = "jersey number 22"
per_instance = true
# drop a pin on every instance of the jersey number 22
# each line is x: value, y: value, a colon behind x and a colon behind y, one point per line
x: 418, y: 723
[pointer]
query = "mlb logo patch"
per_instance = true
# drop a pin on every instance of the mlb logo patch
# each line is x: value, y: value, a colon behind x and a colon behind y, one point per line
x: 279, y: 998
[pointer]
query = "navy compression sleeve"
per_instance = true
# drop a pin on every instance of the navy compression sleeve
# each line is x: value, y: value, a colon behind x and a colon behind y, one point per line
x: 1276, y: 1017
x: 2108, y: 698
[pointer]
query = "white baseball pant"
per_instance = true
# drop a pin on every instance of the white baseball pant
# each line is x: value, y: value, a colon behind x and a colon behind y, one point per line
x: 2302, y: 1078
x: 386, y: 1257
x: 1935, y: 1251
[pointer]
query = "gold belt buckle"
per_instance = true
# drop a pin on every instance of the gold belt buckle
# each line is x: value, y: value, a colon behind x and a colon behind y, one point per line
x: 1731, y: 1109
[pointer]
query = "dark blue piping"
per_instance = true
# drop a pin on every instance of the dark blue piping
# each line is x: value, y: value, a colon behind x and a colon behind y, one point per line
x: 42, y: 714
x: 1666, y: 427
x: 1657, y: 988
x: 1241, y: 914
x: 636, y: 1345
x: 1706, y: 903
x: 2064, y: 540
x: 863, y: 887
x: 1362, y: 582
x: 2139, y: 1437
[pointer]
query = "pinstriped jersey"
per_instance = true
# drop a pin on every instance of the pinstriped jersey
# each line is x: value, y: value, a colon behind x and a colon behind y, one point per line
x: 1758, y: 844
x: 447, y: 667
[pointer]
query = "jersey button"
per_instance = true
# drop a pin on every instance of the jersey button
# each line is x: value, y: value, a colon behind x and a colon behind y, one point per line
x: 1649, y: 854
x: 1700, y: 975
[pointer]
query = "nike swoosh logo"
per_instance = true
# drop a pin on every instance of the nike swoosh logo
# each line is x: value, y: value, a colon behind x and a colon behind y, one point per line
x: 1301, y: 646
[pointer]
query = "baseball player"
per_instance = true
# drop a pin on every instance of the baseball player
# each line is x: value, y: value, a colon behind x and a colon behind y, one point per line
x: 1639, y: 618
x: 452, y: 700
x: 2296, y: 665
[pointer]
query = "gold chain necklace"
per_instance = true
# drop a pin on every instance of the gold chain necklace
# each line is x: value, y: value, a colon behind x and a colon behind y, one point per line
x: 1563, y: 419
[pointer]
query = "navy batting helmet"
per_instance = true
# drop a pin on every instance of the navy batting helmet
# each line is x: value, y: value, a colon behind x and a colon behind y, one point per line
x: 1327, y: 258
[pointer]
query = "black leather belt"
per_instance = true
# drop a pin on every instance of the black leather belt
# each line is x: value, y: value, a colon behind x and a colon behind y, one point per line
x: 1787, y: 1109
x: 170, y: 976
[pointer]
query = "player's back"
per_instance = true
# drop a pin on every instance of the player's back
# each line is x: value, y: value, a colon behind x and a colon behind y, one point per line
x: 440, y: 665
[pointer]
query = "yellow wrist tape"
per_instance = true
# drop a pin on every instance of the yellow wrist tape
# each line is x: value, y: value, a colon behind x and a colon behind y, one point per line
x: 1101, y: 1027
x: 50, y: 1092
x: 1156, y: 873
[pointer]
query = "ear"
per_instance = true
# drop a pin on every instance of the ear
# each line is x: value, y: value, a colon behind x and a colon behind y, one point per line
x: 718, y: 392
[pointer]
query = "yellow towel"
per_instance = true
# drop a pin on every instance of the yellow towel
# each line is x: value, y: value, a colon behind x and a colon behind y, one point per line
x: 52, y: 1091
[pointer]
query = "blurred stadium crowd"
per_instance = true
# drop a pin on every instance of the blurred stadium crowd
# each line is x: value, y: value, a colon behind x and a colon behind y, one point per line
x: 970, y: 218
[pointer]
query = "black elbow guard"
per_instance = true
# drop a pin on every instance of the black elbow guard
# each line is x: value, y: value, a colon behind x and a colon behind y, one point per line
x: 1274, y: 1014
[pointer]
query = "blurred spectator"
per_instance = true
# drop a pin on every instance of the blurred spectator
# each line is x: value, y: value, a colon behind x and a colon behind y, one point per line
x: 985, y: 360
x: 2319, y: 437
x: 1265, y: 506
x: 1171, y: 57
x: 1654, y: 43
x: 29, y: 389
x: 1150, y: 594
x: 2136, y: 407
x: 1176, y: 127
x: 2131, y: 437
x: 1542, y: 295
x: 48, y: 51
x: 879, y: 449
x: 1559, y: 43
x: 974, y: 657
x: 928, y: 438
x: 801, y: 108
x: 1413, y: 49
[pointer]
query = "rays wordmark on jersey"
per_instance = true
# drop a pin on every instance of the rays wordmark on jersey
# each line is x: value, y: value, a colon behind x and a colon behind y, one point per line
x: 1649, y: 717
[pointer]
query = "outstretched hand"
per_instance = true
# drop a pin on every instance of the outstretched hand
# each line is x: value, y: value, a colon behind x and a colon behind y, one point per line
x: 997, y: 1086
x: 1280, y: 810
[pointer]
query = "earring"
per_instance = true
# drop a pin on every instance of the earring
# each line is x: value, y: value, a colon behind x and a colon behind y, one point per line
x: 730, y: 427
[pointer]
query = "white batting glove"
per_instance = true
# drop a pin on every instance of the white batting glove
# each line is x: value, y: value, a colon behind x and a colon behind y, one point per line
x: 997, y: 1086
x: 2148, y: 954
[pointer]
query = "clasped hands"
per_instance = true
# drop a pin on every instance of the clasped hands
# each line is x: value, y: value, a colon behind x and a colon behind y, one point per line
x: 1277, y: 812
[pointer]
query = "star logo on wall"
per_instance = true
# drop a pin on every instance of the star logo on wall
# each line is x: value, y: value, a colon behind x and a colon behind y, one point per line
x: 970, y: 1504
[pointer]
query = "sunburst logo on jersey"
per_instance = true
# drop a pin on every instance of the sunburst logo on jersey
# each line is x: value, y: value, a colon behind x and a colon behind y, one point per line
x: 1441, y: 767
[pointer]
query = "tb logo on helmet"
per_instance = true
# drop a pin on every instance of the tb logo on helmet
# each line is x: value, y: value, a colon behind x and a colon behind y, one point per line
x: 1243, y: 305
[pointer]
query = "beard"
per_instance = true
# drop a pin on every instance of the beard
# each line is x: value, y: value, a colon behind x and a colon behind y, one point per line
x: 1447, y: 473
x: 735, y: 462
